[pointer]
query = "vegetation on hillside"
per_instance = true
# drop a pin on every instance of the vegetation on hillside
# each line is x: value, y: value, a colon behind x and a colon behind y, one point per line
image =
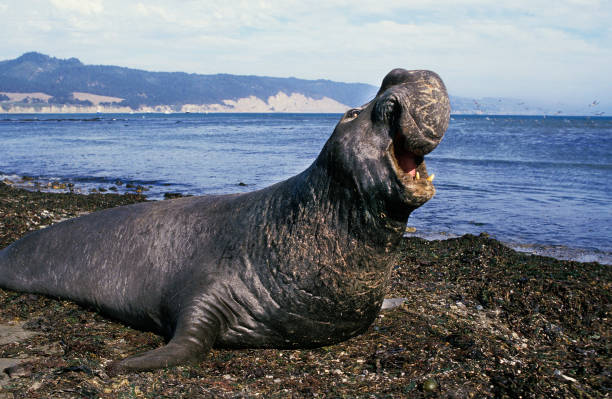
x: 34, y: 72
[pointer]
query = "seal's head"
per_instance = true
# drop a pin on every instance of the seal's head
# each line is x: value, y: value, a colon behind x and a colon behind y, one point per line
x: 378, y: 149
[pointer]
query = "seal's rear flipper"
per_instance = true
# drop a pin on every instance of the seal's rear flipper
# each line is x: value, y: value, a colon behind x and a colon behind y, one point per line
x: 190, y: 343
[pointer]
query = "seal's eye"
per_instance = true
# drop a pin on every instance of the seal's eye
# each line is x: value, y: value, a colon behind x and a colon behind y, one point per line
x: 351, y: 114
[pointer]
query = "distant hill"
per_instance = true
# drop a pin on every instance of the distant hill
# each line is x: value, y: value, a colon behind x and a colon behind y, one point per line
x: 36, y: 82
x: 57, y: 80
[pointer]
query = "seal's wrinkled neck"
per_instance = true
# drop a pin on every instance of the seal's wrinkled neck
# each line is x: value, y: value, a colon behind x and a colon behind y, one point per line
x: 325, y: 245
x: 341, y: 208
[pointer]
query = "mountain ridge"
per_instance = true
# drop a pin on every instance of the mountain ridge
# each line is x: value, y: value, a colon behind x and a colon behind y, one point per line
x: 36, y: 82
x: 35, y: 72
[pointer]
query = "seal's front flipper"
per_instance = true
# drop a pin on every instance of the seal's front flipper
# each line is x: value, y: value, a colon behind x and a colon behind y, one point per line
x: 170, y: 355
x: 189, y: 344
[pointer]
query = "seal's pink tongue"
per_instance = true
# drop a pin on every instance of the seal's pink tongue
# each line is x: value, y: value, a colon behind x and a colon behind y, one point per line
x: 407, y: 163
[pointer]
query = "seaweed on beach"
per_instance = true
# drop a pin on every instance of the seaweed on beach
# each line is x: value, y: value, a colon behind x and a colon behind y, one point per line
x: 22, y: 211
x: 477, y: 320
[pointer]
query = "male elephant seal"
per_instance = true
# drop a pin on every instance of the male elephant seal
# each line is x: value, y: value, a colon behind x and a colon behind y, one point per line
x: 302, y: 263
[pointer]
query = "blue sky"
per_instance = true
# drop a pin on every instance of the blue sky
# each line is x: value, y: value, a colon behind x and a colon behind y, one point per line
x: 545, y: 51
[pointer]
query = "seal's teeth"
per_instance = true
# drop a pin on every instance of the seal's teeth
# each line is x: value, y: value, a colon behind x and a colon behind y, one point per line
x: 418, y: 176
x: 430, y: 178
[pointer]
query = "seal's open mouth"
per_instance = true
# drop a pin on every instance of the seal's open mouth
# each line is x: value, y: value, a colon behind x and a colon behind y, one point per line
x: 409, y: 167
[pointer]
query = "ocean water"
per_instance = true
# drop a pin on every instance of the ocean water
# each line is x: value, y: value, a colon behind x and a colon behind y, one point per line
x: 539, y: 184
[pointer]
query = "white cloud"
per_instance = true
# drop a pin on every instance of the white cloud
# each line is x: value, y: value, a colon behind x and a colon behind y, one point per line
x: 155, y: 11
x: 479, y: 47
x: 86, y: 7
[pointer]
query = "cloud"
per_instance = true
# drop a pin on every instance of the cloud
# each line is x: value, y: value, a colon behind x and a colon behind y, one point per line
x: 479, y: 47
x: 86, y: 7
x: 155, y: 11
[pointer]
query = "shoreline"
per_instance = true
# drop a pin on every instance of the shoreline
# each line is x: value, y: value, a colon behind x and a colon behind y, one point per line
x: 559, y: 252
x: 166, y: 110
x: 65, y: 186
x: 477, y: 320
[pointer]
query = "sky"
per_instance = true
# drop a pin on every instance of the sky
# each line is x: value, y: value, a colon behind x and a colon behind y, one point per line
x: 544, y: 51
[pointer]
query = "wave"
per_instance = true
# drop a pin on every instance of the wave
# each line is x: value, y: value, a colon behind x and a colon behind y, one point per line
x: 94, y: 119
x: 561, y: 252
x: 534, y: 163
x: 115, y: 180
x: 85, y: 184
x: 584, y: 255
x: 66, y: 119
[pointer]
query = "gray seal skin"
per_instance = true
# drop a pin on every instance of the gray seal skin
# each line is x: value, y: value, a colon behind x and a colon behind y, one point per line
x: 300, y: 264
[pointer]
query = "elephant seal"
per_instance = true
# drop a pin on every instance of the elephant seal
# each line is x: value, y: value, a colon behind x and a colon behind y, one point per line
x: 302, y: 263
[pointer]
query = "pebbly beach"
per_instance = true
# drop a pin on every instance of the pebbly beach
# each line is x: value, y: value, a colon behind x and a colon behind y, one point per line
x: 465, y: 317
